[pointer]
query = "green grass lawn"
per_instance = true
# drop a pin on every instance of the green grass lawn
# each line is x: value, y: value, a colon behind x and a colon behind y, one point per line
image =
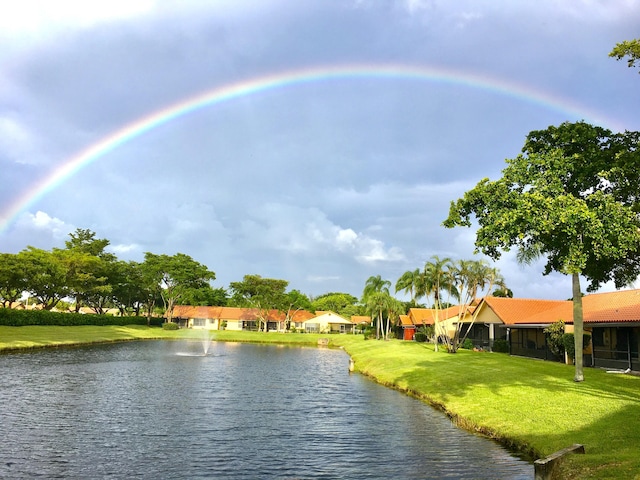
x: 532, y: 405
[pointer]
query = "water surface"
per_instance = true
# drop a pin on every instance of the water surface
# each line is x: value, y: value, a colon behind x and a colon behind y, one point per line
x: 163, y: 410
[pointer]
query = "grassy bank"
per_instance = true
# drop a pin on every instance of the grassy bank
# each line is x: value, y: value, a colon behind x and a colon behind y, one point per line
x: 532, y: 405
x: 28, y: 337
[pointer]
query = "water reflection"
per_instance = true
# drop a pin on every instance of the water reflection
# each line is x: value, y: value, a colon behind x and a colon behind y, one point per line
x: 242, y: 411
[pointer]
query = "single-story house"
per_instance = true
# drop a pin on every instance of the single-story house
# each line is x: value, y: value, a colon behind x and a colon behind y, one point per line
x: 327, y: 322
x: 442, y: 319
x: 612, y: 319
x: 515, y: 319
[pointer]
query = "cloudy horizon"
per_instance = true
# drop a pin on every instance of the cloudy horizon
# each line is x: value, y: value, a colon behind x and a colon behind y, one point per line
x: 321, y: 180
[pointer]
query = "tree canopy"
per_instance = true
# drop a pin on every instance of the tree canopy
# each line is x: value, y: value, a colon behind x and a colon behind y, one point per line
x: 627, y: 48
x: 173, y: 276
x: 264, y: 294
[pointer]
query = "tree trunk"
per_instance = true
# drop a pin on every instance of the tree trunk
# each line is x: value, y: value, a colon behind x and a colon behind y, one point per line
x: 577, y: 327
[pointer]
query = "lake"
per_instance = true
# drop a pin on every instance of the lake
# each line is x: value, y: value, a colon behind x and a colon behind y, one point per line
x: 162, y: 410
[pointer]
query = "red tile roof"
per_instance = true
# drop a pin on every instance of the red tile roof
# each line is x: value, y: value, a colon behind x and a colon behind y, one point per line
x: 358, y: 319
x: 514, y: 311
x: 235, y: 313
x: 426, y: 316
x: 609, y: 307
x: 620, y: 306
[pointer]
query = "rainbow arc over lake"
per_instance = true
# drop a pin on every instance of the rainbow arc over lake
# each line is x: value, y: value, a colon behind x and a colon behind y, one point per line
x: 280, y: 80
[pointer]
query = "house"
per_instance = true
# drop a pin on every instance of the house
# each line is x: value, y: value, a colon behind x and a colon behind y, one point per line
x: 407, y: 326
x: 521, y: 321
x: 233, y: 318
x: 361, y: 321
x: 612, y: 319
x: 327, y: 322
x: 443, y: 320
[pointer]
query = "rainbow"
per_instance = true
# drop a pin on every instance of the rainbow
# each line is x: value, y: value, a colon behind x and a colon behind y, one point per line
x: 285, y: 79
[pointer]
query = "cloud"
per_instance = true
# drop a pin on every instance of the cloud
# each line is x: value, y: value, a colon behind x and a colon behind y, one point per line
x: 39, y: 230
x: 121, y: 249
x: 43, y: 221
x: 15, y: 140
x: 309, y: 232
x: 322, y: 183
x: 39, y: 17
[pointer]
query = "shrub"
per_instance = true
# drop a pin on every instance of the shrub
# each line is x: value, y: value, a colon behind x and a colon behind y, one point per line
x: 467, y: 344
x: 555, y: 340
x: 500, y: 346
x: 420, y: 337
x: 170, y: 326
x: 569, y: 343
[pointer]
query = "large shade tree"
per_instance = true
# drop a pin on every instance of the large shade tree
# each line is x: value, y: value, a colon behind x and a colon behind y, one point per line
x: 172, y: 276
x: 13, y: 279
x: 571, y: 197
x: 46, y: 275
x: 263, y: 294
x: 343, y: 304
x: 90, y: 268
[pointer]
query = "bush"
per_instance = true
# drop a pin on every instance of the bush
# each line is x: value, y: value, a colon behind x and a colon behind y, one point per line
x: 170, y: 326
x: 467, y: 344
x: 500, y: 346
x: 570, y: 346
x: 555, y: 340
x: 420, y: 337
x: 11, y: 317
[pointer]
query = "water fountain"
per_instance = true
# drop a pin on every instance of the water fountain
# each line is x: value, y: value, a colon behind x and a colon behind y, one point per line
x: 206, y: 342
x: 196, y: 352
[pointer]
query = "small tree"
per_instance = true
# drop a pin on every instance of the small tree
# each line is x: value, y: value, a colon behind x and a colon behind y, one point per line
x: 554, y: 333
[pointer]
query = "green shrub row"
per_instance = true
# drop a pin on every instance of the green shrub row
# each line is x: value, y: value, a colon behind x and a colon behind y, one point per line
x: 19, y: 318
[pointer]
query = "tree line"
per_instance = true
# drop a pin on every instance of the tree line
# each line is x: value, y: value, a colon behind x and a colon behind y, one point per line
x: 85, y: 274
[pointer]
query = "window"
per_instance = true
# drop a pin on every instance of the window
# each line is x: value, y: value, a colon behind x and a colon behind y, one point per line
x: 199, y: 322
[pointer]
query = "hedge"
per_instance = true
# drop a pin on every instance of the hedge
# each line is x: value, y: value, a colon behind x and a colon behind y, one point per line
x: 19, y: 318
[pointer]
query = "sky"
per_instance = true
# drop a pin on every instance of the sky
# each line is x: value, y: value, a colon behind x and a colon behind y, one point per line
x: 320, y: 142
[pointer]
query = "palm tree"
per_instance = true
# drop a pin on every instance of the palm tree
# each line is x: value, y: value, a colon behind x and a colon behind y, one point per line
x: 376, y: 304
x: 375, y: 291
x: 437, y: 278
x: 408, y: 283
x: 471, y: 277
x: 375, y: 284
